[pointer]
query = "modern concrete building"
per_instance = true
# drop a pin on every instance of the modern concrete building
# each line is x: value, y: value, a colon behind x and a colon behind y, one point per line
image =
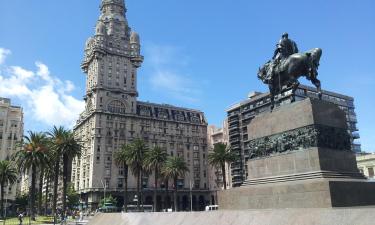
x: 366, y: 164
x: 11, y: 132
x: 114, y: 117
x: 214, y: 136
x: 241, y: 114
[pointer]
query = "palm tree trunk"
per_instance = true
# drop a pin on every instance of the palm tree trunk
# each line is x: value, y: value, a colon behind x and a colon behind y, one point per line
x: 32, y: 192
x: 166, y: 191
x: 175, y: 195
x: 46, y: 196
x: 55, y: 184
x: 138, y: 186
x: 40, y: 192
x: 224, y: 177
x: 156, y: 188
x: 65, y: 182
x: 2, y: 199
x: 126, y: 187
x: 141, y: 192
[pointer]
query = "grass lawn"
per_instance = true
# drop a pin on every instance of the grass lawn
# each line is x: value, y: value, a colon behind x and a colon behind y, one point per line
x: 39, y: 220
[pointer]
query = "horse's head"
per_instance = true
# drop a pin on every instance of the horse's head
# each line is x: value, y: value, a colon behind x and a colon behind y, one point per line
x: 316, y: 53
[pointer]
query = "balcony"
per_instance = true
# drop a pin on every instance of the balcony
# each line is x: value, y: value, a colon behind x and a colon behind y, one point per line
x: 234, y: 140
x: 234, y: 133
x: 233, y: 127
x: 235, y: 147
x: 235, y: 175
x: 355, y: 135
x: 237, y: 167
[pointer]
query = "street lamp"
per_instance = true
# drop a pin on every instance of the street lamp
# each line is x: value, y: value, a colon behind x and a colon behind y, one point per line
x: 104, y: 187
x: 136, y: 201
x: 191, y: 194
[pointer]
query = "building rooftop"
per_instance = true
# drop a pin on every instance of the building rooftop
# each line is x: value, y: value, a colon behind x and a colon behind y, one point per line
x: 254, y: 96
x: 7, y: 102
x: 168, y: 106
x: 365, y: 157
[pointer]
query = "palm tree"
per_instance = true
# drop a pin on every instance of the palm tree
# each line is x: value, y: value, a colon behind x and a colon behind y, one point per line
x: 44, y: 174
x: 175, y: 167
x: 71, y: 150
x: 8, y: 176
x: 154, y: 160
x: 65, y: 146
x: 135, y: 157
x: 30, y: 158
x: 221, y: 155
x: 56, y: 141
x: 48, y: 176
x: 121, y: 159
x: 40, y: 194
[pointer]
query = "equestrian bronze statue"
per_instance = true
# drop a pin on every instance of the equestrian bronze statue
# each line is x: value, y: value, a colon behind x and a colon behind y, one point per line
x: 287, y: 66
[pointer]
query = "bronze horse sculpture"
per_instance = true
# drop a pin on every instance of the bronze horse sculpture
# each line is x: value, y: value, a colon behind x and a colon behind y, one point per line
x: 288, y: 71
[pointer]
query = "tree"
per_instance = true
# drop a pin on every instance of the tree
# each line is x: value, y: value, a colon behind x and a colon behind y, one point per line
x: 71, y: 150
x: 108, y: 201
x: 221, y: 155
x: 120, y: 158
x: 72, y: 197
x: 56, y: 142
x: 21, y: 201
x: 175, y: 167
x: 155, y: 159
x: 30, y: 158
x: 8, y: 176
x: 135, y: 157
x: 45, y: 171
x: 48, y: 176
x: 66, y: 147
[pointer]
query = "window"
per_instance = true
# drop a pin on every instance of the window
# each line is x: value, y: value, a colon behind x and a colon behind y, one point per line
x: 120, y: 183
x: 116, y: 107
x: 370, y: 172
x: 196, y: 184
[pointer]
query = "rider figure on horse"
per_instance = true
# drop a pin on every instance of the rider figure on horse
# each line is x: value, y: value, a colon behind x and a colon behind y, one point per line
x: 284, y: 48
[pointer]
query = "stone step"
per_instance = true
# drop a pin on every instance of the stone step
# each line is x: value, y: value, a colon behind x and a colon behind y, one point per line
x: 304, y: 176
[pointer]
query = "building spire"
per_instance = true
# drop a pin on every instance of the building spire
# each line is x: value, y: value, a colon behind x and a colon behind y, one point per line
x: 118, y: 3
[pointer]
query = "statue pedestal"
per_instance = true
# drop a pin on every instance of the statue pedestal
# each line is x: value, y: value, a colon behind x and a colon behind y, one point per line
x: 301, y: 158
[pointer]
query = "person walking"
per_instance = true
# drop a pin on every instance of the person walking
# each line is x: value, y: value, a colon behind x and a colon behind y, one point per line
x: 20, y: 218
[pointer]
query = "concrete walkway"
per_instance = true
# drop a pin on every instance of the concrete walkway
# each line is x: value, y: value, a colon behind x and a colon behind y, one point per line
x: 341, y: 216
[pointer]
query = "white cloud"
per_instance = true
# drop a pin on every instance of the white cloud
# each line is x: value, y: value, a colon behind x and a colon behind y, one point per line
x: 45, y: 98
x: 166, y: 63
x: 3, y: 54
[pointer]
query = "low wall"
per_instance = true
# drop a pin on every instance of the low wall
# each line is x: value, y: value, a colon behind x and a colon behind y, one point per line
x: 342, y: 216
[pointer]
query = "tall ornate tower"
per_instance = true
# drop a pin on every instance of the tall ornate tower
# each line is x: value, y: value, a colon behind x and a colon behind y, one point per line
x: 112, y: 57
x: 113, y: 117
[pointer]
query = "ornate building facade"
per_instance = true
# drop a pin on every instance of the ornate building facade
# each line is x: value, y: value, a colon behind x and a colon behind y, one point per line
x: 113, y: 117
x: 11, y: 132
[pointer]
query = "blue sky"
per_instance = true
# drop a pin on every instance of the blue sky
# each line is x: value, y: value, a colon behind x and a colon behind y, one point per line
x: 198, y: 54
